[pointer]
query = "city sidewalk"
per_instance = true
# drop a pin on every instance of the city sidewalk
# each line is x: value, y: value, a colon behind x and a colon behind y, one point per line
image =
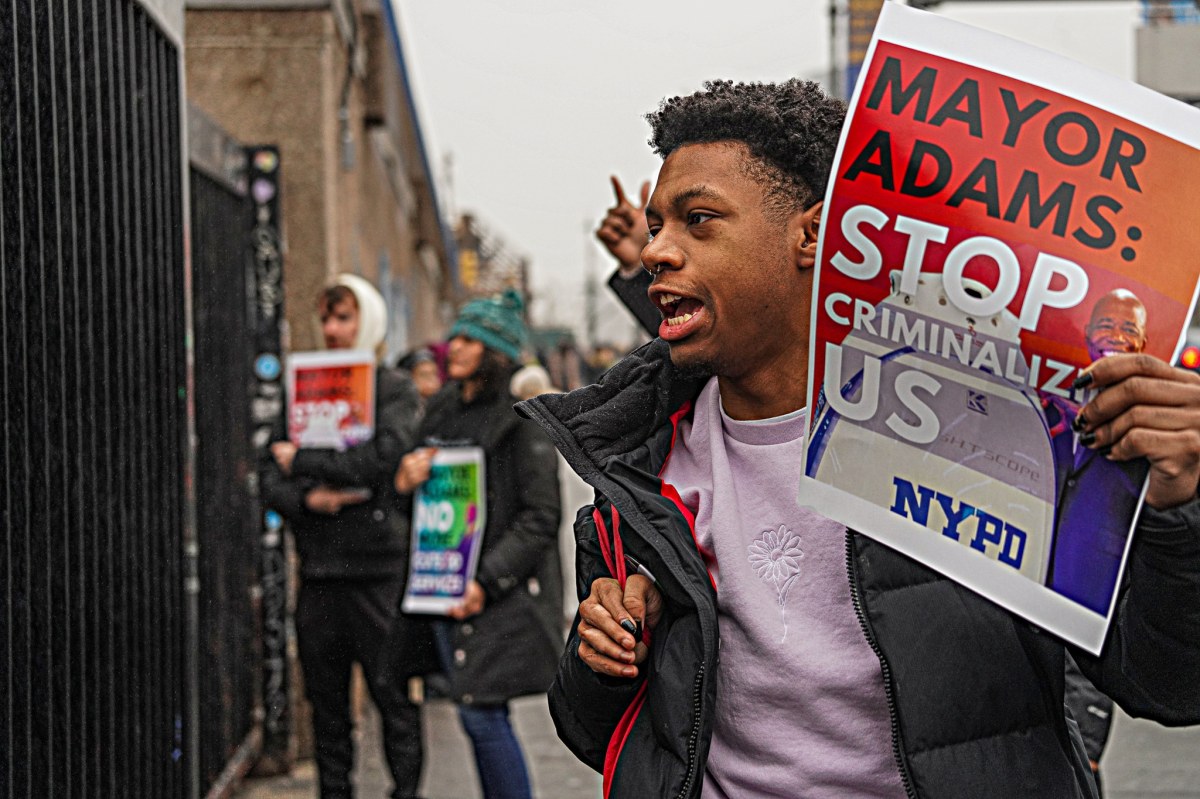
x: 1143, y: 761
x: 449, y: 766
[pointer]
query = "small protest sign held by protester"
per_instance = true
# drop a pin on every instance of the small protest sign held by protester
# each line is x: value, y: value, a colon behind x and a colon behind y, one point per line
x: 998, y: 218
x: 331, y: 398
x: 449, y: 515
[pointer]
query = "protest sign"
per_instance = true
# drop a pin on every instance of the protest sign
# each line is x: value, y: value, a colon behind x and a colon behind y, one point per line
x: 449, y: 516
x: 998, y: 217
x: 331, y: 398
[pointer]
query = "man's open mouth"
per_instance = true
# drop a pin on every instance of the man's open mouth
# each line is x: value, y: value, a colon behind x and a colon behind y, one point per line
x: 677, y: 310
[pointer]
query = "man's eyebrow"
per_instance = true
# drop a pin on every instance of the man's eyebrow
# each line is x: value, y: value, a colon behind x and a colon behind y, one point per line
x: 698, y: 192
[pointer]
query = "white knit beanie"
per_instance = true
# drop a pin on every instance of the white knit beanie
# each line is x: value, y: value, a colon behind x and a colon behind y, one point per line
x: 372, y: 312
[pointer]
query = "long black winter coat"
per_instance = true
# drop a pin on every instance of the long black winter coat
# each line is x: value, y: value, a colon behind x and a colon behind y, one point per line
x: 975, y: 694
x: 368, y: 540
x: 510, y: 649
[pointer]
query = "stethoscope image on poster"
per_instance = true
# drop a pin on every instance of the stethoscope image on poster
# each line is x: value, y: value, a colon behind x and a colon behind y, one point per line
x: 977, y: 426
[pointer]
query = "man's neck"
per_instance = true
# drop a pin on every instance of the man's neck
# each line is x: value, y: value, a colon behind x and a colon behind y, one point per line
x: 774, y: 390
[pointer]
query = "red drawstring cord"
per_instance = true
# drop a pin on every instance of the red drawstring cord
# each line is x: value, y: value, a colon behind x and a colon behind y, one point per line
x: 614, y: 557
x: 614, y: 551
x: 618, y: 546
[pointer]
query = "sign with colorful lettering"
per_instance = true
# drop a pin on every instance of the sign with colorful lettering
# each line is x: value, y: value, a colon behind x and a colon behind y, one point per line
x: 331, y: 398
x: 998, y: 218
x: 449, y: 516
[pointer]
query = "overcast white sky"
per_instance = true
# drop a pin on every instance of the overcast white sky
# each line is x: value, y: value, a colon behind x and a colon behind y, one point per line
x: 539, y: 101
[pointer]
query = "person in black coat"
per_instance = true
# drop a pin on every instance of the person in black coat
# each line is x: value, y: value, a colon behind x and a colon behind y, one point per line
x: 353, y: 546
x: 503, y: 640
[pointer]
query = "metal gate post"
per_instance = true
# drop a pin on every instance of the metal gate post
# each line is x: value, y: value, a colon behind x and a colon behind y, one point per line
x: 266, y: 292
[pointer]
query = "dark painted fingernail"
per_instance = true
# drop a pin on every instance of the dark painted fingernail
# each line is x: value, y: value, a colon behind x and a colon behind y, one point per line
x: 628, y: 626
x: 637, y: 631
x: 1079, y: 422
x: 1105, y: 450
x: 1083, y: 381
x: 1087, y: 439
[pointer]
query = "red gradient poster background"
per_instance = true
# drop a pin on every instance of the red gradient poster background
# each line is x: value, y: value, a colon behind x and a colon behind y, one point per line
x: 1155, y: 251
x: 971, y: 175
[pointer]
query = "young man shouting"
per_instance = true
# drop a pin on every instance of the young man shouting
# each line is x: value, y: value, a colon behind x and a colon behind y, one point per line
x: 784, y: 656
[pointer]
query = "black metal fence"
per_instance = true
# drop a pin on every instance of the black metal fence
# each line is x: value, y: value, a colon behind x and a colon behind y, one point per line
x: 227, y: 514
x: 92, y: 404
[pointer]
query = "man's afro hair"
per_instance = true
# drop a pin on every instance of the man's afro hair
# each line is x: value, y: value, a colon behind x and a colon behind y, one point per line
x: 790, y: 128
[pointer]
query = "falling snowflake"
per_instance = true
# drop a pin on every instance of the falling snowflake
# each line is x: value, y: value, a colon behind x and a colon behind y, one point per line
x: 775, y: 556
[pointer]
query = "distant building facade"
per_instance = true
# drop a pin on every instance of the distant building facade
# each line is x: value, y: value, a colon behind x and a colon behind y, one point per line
x: 325, y: 81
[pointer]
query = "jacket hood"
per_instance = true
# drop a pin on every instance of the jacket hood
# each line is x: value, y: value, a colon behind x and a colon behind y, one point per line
x: 637, y: 396
x: 372, y: 312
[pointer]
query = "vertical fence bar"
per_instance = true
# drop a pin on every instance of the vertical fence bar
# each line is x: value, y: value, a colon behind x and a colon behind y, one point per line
x: 184, y: 595
x: 109, y: 377
x: 119, y: 321
x: 56, y: 408
x: 142, y: 385
x: 74, y: 532
x: 84, y: 146
x: 36, y: 694
x: 159, y: 641
x: 8, y: 574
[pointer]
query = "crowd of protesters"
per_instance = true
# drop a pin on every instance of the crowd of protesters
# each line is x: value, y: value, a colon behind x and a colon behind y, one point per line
x: 350, y: 513
x: 690, y: 443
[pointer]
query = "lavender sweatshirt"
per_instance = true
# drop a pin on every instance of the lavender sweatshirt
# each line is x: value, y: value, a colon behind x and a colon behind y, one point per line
x: 801, y: 710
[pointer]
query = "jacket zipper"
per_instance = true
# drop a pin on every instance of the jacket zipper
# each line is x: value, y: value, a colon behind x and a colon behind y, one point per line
x: 868, y: 633
x: 693, y: 736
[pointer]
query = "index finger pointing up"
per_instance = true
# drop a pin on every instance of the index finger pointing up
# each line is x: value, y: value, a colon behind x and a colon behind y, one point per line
x: 618, y: 191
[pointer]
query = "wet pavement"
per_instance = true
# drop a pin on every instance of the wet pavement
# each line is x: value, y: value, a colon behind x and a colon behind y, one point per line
x: 449, y: 765
x: 1143, y: 761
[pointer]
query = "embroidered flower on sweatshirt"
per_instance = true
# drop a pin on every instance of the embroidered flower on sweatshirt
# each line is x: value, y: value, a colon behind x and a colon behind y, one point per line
x: 775, y: 556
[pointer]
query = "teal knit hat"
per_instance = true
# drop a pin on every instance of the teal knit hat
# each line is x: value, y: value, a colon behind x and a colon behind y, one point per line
x: 496, y: 322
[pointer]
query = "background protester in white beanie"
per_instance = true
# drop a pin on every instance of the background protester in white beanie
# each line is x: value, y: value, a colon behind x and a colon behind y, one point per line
x: 353, y: 546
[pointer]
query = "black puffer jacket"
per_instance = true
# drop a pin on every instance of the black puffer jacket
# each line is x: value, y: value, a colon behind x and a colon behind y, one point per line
x: 510, y: 649
x: 368, y: 540
x: 975, y: 694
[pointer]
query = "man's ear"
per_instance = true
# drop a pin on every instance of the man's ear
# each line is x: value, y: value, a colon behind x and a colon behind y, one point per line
x: 806, y: 239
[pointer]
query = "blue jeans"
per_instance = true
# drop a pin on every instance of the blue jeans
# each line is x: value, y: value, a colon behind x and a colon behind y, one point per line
x: 498, y: 755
